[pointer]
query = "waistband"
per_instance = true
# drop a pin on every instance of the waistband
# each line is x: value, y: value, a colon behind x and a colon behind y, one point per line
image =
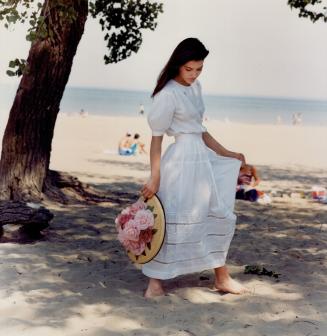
x: 188, y: 136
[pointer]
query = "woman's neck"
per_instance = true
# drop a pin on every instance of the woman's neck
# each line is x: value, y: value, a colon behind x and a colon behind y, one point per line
x: 181, y: 81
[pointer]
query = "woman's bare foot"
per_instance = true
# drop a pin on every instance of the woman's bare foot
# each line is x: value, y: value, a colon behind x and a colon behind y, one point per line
x: 154, y: 289
x: 224, y: 283
x: 231, y: 286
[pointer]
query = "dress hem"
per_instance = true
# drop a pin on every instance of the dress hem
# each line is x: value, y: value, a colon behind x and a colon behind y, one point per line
x: 162, y: 276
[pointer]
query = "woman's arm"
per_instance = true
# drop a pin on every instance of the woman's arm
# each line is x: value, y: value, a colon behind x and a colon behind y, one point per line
x: 219, y: 149
x: 152, y: 186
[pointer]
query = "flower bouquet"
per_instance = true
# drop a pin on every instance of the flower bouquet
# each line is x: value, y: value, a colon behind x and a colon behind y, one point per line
x: 141, y: 229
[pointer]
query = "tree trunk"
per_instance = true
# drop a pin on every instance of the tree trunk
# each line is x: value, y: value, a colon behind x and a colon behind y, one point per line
x: 26, y: 145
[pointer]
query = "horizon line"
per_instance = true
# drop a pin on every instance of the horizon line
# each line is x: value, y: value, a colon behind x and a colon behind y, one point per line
x: 234, y: 95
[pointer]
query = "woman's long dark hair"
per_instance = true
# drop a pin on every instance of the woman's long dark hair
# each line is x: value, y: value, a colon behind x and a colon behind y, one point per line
x: 190, y: 49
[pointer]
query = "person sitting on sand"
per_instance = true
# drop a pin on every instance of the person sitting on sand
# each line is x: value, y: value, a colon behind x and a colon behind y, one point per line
x: 248, y: 179
x: 125, y: 144
x: 139, y: 144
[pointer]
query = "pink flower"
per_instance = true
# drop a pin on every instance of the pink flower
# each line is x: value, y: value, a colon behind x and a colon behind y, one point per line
x: 126, y: 211
x: 122, y: 219
x: 146, y: 235
x: 121, y: 235
x: 131, y: 230
x: 144, y: 219
x: 135, y: 207
x: 136, y: 247
x: 134, y: 225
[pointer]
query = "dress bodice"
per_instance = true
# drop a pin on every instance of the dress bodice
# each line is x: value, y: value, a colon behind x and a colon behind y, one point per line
x: 177, y: 109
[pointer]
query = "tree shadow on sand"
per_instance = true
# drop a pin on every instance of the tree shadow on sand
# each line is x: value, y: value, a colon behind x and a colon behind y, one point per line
x: 80, y: 272
x: 302, y: 178
x: 129, y: 163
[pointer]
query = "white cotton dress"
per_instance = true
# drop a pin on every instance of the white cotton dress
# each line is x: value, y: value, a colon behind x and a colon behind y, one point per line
x: 197, y: 187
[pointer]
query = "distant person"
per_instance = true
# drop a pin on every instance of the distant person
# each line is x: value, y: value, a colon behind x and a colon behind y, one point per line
x: 140, y: 145
x: 125, y: 145
x: 141, y: 109
x: 82, y: 113
x: 279, y: 120
x: 297, y: 119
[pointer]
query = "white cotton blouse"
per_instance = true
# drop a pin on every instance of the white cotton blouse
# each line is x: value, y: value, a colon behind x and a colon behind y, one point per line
x: 177, y: 109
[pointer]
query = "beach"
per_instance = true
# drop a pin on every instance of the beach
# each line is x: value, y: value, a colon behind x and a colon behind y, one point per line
x: 79, y: 281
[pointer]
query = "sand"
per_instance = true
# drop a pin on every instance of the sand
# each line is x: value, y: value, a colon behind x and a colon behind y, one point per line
x: 78, y: 280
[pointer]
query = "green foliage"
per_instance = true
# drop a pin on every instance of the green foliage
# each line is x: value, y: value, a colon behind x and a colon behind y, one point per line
x: 19, y: 64
x: 122, y: 22
x: 313, y: 9
x: 14, y: 11
x: 40, y: 17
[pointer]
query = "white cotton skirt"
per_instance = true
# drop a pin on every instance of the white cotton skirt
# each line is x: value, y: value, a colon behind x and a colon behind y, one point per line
x: 197, y: 190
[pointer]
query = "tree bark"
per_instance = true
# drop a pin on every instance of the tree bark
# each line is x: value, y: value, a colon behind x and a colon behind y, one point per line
x: 26, y: 145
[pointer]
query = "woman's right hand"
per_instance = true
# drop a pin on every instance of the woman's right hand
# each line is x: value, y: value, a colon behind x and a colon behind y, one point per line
x: 241, y: 157
x: 151, y: 187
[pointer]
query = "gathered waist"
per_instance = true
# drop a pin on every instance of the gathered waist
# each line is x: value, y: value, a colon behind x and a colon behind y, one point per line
x: 188, y: 136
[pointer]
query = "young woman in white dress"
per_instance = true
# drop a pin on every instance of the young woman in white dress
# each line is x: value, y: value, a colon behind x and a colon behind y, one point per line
x: 195, y: 178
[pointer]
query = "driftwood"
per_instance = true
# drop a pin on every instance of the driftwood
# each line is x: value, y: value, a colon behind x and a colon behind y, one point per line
x: 32, y: 216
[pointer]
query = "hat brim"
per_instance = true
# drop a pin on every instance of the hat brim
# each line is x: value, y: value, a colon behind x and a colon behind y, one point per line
x: 153, y: 248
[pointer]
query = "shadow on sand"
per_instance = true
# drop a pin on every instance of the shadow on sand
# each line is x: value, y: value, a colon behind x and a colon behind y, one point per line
x: 79, y: 265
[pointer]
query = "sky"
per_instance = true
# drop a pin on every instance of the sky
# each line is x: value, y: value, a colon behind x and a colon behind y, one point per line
x: 257, y: 48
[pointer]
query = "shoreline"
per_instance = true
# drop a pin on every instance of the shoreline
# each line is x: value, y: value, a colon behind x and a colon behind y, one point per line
x: 221, y: 121
x: 75, y: 114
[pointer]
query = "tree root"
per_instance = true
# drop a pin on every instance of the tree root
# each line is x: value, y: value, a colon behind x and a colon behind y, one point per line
x: 66, y: 189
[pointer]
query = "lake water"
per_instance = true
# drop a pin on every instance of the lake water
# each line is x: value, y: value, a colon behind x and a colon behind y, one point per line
x: 253, y: 110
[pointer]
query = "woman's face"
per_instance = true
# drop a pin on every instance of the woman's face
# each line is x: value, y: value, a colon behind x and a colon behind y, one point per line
x: 189, y: 72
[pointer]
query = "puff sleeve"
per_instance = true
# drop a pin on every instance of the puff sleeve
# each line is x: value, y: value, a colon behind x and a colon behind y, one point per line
x: 161, y: 112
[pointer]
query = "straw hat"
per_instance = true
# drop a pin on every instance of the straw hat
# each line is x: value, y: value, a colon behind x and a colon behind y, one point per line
x: 159, y: 230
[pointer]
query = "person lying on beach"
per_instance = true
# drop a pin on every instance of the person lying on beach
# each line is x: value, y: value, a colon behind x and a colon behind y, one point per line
x: 125, y: 145
x: 247, y: 181
x: 140, y: 145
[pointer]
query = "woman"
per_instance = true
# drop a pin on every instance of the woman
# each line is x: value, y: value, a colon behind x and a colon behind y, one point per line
x: 195, y: 179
